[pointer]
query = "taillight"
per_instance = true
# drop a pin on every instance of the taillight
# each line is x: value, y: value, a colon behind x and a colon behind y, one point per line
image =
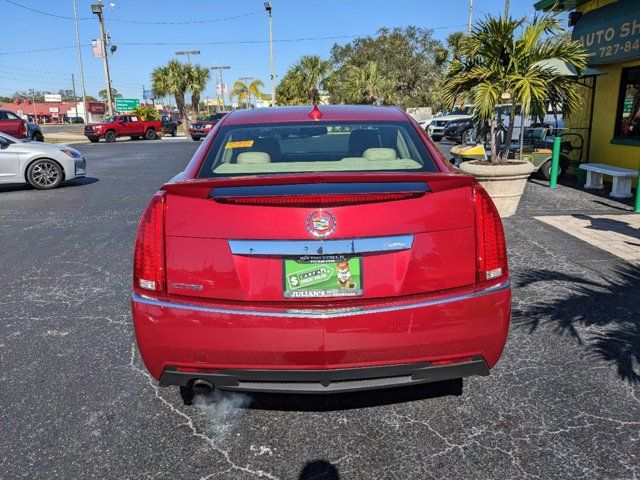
x: 22, y: 132
x: 148, y: 260
x: 491, y: 250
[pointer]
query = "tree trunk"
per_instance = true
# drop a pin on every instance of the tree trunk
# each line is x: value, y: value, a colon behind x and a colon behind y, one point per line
x: 504, y: 154
x: 182, y: 108
x: 494, y: 141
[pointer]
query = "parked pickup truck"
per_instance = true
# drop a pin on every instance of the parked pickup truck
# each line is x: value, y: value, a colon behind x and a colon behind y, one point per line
x: 200, y: 128
x: 122, y: 126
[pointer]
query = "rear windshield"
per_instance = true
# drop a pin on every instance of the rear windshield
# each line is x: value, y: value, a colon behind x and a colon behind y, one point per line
x: 309, y: 147
x: 213, y: 118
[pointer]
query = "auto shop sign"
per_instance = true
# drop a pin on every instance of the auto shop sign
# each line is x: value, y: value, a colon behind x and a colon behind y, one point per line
x: 126, y: 104
x: 96, y: 107
x: 610, y: 34
x: 49, y: 97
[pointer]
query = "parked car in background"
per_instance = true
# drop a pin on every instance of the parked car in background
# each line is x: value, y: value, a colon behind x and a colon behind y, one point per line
x: 342, y: 232
x: 436, y: 127
x: 200, y: 128
x: 169, y: 125
x: 34, y: 132
x: 122, y: 126
x: 12, y: 124
x: 75, y: 120
x: 459, y: 130
x: 43, y: 165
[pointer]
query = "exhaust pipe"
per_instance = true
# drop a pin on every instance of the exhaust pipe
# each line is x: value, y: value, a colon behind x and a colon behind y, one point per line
x: 202, y: 387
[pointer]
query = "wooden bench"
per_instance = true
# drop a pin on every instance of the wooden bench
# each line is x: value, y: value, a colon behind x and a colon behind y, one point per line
x: 621, y: 178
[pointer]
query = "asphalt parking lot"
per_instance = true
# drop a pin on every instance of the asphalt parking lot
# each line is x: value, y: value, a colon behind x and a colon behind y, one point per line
x: 76, y: 402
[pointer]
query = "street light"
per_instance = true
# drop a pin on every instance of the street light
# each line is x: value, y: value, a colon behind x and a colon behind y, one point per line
x: 96, y: 9
x: 267, y: 6
x: 220, y: 68
x: 188, y: 53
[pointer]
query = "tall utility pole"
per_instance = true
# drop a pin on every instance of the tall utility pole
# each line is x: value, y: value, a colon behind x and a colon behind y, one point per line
x: 96, y: 8
x: 267, y: 5
x: 84, y: 90
x: 246, y: 82
x: 506, y: 8
x: 221, y: 94
x: 188, y: 53
x: 470, y: 19
x: 75, y: 98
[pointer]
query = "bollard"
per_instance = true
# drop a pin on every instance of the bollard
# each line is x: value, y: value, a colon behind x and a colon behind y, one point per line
x: 637, y: 205
x: 555, y: 160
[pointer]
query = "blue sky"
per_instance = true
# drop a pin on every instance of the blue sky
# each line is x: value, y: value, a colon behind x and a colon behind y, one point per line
x: 132, y: 64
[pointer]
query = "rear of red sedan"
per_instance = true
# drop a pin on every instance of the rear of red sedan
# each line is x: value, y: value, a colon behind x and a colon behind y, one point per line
x: 319, y: 251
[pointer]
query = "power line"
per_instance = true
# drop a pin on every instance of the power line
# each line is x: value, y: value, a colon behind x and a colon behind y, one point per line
x: 235, y: 42
x: 65, y: 74
x: 138, y: 22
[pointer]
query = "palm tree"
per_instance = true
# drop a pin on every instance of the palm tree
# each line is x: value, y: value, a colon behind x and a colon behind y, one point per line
x: 368, y: 85
x: 244, y: 91
x: 198, y: 78
x: 313, y: 72
x: 173, y: 79
x: 495, y: 64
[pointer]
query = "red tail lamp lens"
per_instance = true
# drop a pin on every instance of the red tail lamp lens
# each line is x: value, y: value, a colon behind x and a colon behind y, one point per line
x: 148, y: 261
x: 491, y: 250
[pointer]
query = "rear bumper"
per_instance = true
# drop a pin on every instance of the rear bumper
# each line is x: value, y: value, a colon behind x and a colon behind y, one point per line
x: 328, y: 381
x: 237, y: 348
x: 198, y: 133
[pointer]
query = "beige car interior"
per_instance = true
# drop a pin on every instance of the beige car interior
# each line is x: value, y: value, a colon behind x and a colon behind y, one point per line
x: 361, y: 156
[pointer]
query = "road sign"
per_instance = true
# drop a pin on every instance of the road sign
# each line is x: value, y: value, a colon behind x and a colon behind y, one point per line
x: 126, y: 104
x: 52, y: 97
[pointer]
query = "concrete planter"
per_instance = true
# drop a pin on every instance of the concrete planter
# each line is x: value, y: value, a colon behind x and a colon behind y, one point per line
x: 504, y: 182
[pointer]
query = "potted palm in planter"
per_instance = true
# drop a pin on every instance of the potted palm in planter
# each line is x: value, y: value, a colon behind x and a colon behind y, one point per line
x: 504, y: 61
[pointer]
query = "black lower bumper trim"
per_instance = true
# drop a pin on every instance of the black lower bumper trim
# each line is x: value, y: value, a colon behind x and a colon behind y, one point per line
x: 327, y: 381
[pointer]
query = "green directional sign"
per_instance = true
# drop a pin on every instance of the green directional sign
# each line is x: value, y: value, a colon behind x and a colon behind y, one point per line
x: 126, y: 104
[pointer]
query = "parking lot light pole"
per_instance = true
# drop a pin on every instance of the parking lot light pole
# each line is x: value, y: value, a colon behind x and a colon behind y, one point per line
x: 84, y: 89
x: 188, y: 53
x: 221, y: 94
x: 96, y: 9
x: 267, y: 6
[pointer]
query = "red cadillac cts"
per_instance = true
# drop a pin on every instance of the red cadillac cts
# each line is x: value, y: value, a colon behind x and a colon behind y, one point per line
x: 319, y: 251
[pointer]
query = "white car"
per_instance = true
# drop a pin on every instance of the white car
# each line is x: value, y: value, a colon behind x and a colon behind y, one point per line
x: 42, y: 165
x: 436, y: 127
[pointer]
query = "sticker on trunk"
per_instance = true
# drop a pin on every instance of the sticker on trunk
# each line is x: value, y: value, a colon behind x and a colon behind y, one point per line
x: 322, y: 277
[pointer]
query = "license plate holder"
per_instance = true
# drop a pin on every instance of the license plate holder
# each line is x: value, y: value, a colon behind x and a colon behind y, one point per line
x: 324, y: 276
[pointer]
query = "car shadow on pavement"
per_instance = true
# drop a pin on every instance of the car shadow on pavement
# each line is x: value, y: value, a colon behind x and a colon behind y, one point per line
x: 76, y: 182
x: 602, y: 316
x: 347, y: 401
x: 319, y: 470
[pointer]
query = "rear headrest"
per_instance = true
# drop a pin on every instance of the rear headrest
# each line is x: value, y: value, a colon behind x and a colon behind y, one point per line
x: 361, y: 139
x: 253, y: 158
x: 379, y: 154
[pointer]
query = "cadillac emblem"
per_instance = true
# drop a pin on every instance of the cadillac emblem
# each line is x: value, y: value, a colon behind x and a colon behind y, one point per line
x: 321, y: 224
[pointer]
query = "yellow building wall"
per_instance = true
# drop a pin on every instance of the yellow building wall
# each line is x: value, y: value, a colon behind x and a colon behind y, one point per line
x: 604, y: 119
x: 605, y: 108
x: 593, y: 4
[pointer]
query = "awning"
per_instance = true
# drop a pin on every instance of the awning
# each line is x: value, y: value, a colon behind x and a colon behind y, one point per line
x: 558, y: 6
x: 564, y: 69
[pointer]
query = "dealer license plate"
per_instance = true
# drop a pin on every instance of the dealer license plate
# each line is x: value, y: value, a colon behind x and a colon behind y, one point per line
x: 322, y: 277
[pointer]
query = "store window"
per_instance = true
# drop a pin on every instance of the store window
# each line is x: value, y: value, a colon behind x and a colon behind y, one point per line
x: 628, y: 117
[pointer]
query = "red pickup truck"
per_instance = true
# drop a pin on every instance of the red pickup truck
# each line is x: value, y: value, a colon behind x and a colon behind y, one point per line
x: 122, y: 126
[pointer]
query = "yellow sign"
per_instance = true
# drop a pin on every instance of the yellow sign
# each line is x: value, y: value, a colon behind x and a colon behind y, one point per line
x: 239, y: 144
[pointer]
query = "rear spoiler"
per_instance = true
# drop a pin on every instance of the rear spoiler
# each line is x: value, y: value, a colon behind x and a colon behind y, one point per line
x: 359, y: 183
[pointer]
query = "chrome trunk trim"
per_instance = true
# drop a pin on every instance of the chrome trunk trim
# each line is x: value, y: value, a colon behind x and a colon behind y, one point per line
x: 299, y: 248
x: 347, y: 311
